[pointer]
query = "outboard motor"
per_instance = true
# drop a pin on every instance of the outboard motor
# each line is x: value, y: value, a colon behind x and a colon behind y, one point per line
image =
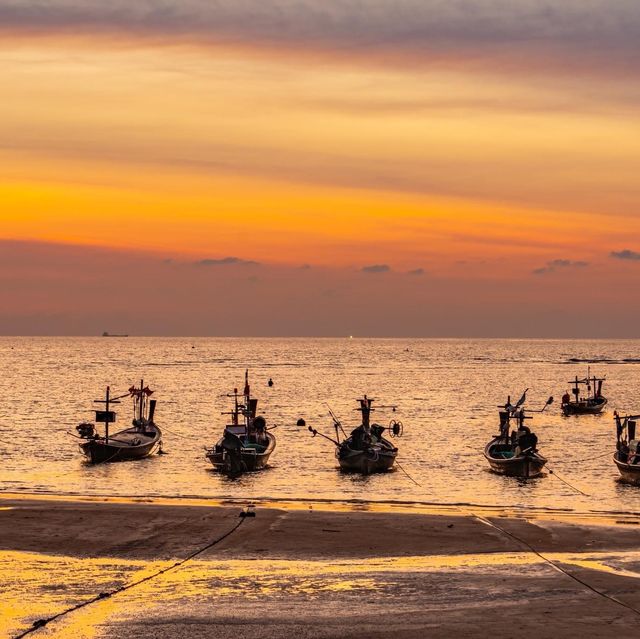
x: 631, y: 429
x: 152, y: 410
x: 232, y: 447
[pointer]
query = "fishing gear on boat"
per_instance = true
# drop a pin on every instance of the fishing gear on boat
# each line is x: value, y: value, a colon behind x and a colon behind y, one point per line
x: 515, y: 453
x: 246, y: 443
x: 396, y: 428
x: 336, y: 421
x: 366, y: 450
x: 314, y: 432
x: 136, y: 442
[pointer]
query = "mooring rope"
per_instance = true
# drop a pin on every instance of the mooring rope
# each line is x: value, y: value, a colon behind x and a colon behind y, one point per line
x: 171, y: 432
x: 407, y: 474
x: 557, y: 566
x: 591, y: 457
x: 564, y: 481
x: 41, y: 623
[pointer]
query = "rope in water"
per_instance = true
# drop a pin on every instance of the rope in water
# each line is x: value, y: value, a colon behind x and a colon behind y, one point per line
x: 553, y: 473
x: 591, y: 458
x: 41, y: 623
x: 557, y: 566
x: 171, y: 432
x: 407, y: 474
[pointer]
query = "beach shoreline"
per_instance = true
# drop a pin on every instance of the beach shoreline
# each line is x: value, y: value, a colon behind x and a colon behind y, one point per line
x: 418, y: 556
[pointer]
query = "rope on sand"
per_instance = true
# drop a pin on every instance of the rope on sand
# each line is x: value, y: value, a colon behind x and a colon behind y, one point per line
x: 41, y: 623
x: 557, y: 566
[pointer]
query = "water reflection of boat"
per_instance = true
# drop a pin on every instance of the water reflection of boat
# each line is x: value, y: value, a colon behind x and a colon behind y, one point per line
x: 592, y: 403
x: 365, y: 450
x: 627, y: 455
x: 515, y: 453
x: 141, y: 440
x: 246, y: 443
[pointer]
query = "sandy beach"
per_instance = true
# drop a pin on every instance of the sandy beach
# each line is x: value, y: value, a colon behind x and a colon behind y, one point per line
x: 313, y: 572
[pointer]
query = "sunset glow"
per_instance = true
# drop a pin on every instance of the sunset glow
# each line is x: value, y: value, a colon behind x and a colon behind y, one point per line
x: 213, y: 135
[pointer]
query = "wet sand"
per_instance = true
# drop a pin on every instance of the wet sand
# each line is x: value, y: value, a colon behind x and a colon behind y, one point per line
x: 314, y: 572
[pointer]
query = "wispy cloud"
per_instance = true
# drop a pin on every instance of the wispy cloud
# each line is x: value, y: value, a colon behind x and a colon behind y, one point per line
x: 431, y: 31
x: 226, y: 261
x: 376, y: 268
x: 554, y: 265
x: 625, y: 254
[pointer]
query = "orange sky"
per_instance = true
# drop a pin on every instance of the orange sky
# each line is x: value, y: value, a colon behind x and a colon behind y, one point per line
x: 204, y: 135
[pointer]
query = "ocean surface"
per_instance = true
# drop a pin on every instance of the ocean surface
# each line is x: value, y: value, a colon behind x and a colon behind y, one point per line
x: 447, y: 393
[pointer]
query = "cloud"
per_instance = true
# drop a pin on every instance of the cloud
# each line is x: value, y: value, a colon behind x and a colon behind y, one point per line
x: 226, y: 261
x: 416, y: 271
x: 626, y: 254
x: 553, y: 265
x: 376, y: 268
x: 430, y: 31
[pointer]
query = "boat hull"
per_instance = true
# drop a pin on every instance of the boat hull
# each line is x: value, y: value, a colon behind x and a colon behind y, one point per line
x: 99, y: 451
x: 525, y: 466
x: 366, y: 462
x: 629, y: 473
x: 584, y: 408
x: 250, y: 459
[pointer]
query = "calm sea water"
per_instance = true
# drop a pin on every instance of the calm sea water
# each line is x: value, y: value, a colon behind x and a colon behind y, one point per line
x: 446, y: 391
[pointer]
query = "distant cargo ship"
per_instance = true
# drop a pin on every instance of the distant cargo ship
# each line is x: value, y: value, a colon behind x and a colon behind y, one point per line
x: 107, y: 334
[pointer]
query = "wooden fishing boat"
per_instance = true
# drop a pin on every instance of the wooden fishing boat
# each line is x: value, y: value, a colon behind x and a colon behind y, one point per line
x: 627, y: 455
x: 515, y: 454
x: 246, y: 443
x: 365, y: 450
x: 590, y: 404
x: 142, y: 439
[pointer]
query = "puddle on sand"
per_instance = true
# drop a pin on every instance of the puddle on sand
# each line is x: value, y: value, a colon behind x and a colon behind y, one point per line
x: 37, y: 586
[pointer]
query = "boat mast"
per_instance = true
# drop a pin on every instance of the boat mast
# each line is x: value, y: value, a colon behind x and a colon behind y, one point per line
x: 141, y: 400
x: 576, y: 390
x: 105, y: 416
x: 247, y: 401
x: 365, y: 409
x: 106, y: 423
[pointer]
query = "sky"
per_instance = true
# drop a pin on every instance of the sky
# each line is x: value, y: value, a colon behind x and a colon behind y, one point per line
x: 418, y: 168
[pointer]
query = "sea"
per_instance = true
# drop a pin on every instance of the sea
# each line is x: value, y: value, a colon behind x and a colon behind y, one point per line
x: 446, y: 393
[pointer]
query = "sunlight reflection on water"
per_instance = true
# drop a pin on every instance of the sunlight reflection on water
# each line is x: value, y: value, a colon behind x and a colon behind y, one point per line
x: 447, y: 392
